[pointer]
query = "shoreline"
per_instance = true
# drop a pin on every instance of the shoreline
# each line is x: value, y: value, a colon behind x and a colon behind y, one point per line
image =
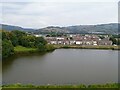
x: 87, y: 47
x: 23, y: 50
x: 19, y: 50
x: 31, y: 86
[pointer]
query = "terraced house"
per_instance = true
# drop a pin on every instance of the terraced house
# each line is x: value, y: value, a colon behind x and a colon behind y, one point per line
x: 79, y: 40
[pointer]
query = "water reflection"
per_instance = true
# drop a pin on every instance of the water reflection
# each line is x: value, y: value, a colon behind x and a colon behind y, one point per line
x: 63, y: 66
x: 7, y: 63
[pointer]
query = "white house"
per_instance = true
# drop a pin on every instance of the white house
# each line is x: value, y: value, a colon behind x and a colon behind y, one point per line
x: 72, y: 42
x: 59, y: 38
x: 78, y: 42
x: 53, y: 42
x: 38, y: 35
x: 94, y: 42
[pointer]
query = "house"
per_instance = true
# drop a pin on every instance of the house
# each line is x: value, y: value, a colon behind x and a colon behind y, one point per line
x: 104, y: 42
x: 72, y: 42
x: 60, y: 38
x: 38, y: 35
x: 53, y: 42
x: 79, y: 40
x: 95, y: 43
x: 66, y: 42
x: 60, y: 42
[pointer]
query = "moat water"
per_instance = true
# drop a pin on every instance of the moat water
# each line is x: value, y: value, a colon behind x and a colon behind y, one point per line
x: 62, y: 66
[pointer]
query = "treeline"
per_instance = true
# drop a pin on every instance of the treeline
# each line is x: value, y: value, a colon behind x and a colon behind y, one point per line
x: 54, y: 34
x: 115, y: 39
x: 15, y: 38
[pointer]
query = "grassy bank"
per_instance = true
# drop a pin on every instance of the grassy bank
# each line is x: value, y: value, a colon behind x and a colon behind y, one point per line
x: 21, y: 49
x: 108, y: 85
x: 109, y: 47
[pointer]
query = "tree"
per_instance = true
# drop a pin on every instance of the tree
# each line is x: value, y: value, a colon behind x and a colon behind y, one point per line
x: 113, y: 40
x: 5, y: 35
x: 13, y: 38
x: 39, y: 41
x: 7, y: 48
x: 41, y: 47
x: 101, y: 37
x: 47, y: 35
x: 49, y: 47
x: 118, y: 41
x: 19, y: 35
x: 28, y: 41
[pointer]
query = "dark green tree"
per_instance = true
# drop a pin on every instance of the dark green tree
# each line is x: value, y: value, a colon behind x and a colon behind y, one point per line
x: 19, y: 35
x: 39, y: 41
x: 13, y: 38
x: 113, y: 40
x: 5, y: 35
x: 28, y: 41
x: 7, y: 48
x: 41, y: 47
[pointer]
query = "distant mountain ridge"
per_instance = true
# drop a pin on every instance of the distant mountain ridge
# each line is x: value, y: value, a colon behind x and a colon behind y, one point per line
x: 12, y: 28
x: 101, y: 28
x: 111, y: 28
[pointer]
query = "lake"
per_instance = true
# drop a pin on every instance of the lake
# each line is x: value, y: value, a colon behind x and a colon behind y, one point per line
x: 62, y: 66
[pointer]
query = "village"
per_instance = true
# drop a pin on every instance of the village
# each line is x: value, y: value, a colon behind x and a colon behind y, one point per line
x: 78, y: 39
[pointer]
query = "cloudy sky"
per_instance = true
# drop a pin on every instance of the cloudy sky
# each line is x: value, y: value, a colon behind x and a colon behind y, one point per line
x: 42, y: 13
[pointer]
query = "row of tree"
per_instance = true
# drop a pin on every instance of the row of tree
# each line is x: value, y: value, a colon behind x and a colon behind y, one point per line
x: 115, y: 39
x: 15, y: 38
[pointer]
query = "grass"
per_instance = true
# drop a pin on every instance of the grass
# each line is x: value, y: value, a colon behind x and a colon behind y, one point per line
x: 89, y: 47
x: 24, y: 49
x: 107, y: 85
x: 19, y: 49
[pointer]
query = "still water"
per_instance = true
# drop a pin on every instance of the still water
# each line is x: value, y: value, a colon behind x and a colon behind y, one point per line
x: 62, y: 66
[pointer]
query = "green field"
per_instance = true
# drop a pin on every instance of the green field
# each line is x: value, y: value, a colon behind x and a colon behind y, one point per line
x: 89, y: 47
x: 107, y: 85
x: 24, y: 49
x: 19, y: 49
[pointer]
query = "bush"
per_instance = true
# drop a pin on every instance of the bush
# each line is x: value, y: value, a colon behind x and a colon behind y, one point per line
x: 50, y: 47
x: 41, y: 47
x: 7, y: 48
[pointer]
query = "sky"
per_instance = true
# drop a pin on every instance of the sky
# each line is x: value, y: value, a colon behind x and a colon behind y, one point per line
x: 43, y: 13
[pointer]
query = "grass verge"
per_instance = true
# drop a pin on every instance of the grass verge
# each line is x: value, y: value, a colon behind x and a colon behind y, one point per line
x: 105, y: 47
x: 18, y: 49
x: 107, y: 85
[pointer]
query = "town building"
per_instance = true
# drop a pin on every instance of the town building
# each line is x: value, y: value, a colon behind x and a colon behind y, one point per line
x: 79, y: 40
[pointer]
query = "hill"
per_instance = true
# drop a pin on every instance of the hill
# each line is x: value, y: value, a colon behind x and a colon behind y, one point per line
x: 83, y: 29
x: 111, y: 28
x: 102, y: 28
x: 11, y: 28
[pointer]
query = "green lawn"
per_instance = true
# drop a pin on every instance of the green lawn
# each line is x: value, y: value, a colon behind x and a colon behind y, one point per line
x: 107, y: 85
x: 24, y: 49
x: 88, y: 46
